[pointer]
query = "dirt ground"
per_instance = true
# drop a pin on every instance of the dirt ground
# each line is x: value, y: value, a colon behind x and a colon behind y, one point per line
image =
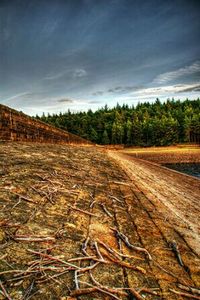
x: 171, y: 154
x: 85, y: 223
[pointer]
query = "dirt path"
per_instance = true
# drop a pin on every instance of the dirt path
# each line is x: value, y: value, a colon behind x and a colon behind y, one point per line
x: 176, y: 196
x: 65, y: 205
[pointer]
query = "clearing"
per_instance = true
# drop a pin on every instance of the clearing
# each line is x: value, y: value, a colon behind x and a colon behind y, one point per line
x: 87, y: 223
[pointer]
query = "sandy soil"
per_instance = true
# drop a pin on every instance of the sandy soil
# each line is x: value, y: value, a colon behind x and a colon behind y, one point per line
x: 176, y: 196
x: 56, y: 199
x: 170, y: 154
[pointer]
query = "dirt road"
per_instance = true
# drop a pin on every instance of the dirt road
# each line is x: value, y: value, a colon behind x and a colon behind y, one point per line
x: 176, y: 196
x: 77, y: 223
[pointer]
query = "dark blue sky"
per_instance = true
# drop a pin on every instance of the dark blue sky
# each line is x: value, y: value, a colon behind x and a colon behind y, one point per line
x: 81, y: 54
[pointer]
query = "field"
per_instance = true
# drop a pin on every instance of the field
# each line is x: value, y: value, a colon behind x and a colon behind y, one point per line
x: 89, y: 223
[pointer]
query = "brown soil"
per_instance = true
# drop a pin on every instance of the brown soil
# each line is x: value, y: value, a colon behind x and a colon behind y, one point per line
x: 54, y: 197
x: 171, y: 154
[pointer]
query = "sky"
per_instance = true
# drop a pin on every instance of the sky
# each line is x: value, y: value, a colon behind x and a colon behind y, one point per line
x: 57, y: 55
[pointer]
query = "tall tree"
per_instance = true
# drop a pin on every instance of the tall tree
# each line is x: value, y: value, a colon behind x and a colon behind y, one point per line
x: 105, y: 138
x: 146, y: 124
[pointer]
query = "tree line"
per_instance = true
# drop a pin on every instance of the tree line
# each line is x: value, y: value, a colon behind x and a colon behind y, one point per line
x: 146, y: 124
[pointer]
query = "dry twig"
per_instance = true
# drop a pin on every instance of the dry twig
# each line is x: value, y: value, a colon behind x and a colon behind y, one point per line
x: 5, y: 223
x: 83, y: 211
x: 129, y: 245
x: 10, y: 272
x: 111, y: 290
x: 82, y: 270
x: 115, y: 199
x: 112, y: 251
x: 34, y: 238
x: 76, y: 280
x: 177, y: 253
x: 92, y: 204
x: 81, y: 258
x: 5, y: 293
x: 84, y: 246
x: 124, y: 264
x: 106, y: 211
x: 91, y: 290
x: 21, y: 197
x: 53, y: 258
x: 116, y: 253
x: 189, y: 289
x: 98, y: 252
x: 148, y: 291
x: 190, y: 296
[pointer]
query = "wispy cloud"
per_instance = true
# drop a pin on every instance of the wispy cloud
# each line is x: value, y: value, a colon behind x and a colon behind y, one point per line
x: 95, y: 102
x: 169, y: 76
x: 17, y: 96
x: 168, y: 89
x: 191, y: 88
x: 65, y: 100
x: 98, y: 93
x: 179, y: 91
x: 123, y: 89
x: 78, y: 73
x: 118, y: 90
x: 55, y: 75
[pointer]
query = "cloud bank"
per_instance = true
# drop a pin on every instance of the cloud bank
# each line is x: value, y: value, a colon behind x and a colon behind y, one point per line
x: 171, y: 76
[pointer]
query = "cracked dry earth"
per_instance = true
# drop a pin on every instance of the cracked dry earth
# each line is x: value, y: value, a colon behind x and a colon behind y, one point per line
x: 81, y: 223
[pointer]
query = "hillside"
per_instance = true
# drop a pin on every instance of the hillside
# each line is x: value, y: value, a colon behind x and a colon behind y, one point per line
x: 75, y: 225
